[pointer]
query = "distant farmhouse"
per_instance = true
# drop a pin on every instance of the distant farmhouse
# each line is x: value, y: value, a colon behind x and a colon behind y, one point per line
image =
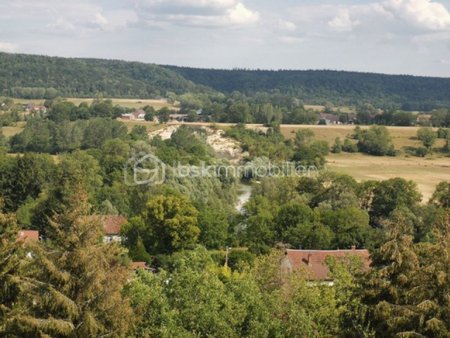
x: 32, y: 108
x: 327, y: 119
x: 138, y: 115
x: 178, y: 117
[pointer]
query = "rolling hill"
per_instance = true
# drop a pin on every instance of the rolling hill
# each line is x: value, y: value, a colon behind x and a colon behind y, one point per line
x: 27, y: 76
x: 33, y: 76
x: 319, y: 86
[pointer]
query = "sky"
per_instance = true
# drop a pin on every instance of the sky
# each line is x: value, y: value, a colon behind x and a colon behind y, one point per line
x: 386, y: 36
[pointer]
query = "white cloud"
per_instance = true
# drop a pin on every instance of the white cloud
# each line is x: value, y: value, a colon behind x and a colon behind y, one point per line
x: 200, y: 13
x: 240, y: 14
x: 425, y: 14
x: 401, y: 18
x: 8, y: 47
x: 291, y: 39
x: 173, y: 4
x: 343, y: 22
x: 287, y: 25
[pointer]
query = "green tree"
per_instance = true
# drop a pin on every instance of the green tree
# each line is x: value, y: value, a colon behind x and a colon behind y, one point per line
x: 139, y: 133
x: 428, y: 137
x: 365, y: 113
x: 214, y: 226
x: 376, y: 141
x: 12, y: 258
x: 388, y: 287
x: 75, y: 281
x: 350, y: 227
x: 441, y: 195
x: 259, y: 232
x: 197, y: 299
x: 393, y: 194
x: 337, y: 146
x: 173, y: 223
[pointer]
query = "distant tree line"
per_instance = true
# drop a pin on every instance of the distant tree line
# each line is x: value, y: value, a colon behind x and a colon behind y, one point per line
x: 341, y: 88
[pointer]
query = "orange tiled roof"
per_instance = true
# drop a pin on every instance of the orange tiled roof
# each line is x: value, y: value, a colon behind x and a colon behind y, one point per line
x: 113, y: 224
x: 138, y: 265
x: 314, y: 261
x: 25, y: 235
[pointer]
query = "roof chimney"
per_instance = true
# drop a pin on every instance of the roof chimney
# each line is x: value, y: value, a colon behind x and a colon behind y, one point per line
x: 353, y: 247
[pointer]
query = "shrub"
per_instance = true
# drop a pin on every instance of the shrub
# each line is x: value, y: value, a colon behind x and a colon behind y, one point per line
x: 349, y: 146
x: 421, y: 152
x: 376, y: 141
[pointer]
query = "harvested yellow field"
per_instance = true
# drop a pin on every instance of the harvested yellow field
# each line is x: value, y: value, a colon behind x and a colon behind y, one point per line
x: 129, y: 103
x: 13, y: 130
x: 427, y: 173
x: 322, y: 108
x: 151, y: 126
x: 401, y: 136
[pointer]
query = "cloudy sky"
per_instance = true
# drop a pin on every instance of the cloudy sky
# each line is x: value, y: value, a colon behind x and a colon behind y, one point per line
x: 390, y: 36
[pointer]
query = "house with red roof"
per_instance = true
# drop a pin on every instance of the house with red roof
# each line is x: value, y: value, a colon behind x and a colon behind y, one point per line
x: 112, y: 224
x: 313, y: 262
x: 27, y: 235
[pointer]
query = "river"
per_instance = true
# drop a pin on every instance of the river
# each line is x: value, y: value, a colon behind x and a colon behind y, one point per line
x: 245, y: 192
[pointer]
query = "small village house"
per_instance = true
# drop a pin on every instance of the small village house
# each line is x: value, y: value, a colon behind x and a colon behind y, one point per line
x: 314, y: 262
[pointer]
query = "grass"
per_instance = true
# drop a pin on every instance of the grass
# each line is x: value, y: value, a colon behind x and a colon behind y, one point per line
x: 129, y: 103
x: 402, y: 137
x: 426, y: 172
x: 151, y: 126
x: 319, y: 108
x: 13, y: 130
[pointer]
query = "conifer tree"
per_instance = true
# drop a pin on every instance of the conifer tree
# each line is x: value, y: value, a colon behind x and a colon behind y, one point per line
x: 76, y: 280
x: 390, y: 285
x: 10, y: 261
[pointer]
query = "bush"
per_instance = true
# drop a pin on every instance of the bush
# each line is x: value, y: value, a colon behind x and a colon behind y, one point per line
x: 427, y: 136
x: 376, y: 141
x: 337, y: 146
x: 421, y: 152
x: 443, y: 133
x: 349, y: 146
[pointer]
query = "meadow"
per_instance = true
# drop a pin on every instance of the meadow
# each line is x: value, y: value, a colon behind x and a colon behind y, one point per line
x: 128, y: 103
x: 426, y: 172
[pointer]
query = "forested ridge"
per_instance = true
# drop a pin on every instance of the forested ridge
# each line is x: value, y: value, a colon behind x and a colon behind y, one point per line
x: 51, y: 76
x: 338, y: 87
x: 33, y: 76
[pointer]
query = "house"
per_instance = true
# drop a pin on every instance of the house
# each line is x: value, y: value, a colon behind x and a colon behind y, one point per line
x: 112, y: 225
x: 32, y: 108
x: 178, y: 117
x: 27, y: 235
x: 327, y: 119
x: 138, y: 115
x: 140, y: 265
x: 313, y: 262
